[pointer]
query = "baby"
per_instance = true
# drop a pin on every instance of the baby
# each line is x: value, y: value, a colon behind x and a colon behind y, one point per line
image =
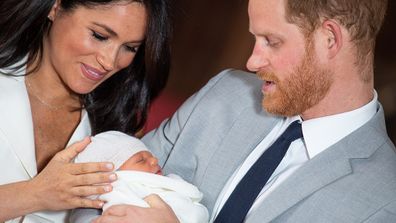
x: 139, y: 175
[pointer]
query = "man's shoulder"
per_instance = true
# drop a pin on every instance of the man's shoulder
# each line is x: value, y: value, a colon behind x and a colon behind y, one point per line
x: 234, y: 86
x: 233, y: 78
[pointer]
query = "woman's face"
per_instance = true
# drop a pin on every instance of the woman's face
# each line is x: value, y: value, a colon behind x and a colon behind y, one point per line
x: 88, y: 45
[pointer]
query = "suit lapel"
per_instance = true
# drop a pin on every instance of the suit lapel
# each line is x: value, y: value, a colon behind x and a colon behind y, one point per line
x: 16, y: 122
x: 312, y: 176
x: 247, y: 131
x: 327, y: 167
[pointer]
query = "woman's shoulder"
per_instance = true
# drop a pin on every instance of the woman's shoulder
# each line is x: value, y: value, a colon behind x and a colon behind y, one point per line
x: 8, y: 81
x: 12, y: 86
x: 13, y: 73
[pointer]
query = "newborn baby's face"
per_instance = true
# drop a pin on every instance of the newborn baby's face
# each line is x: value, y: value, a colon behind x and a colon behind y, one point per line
x: 142, y: 161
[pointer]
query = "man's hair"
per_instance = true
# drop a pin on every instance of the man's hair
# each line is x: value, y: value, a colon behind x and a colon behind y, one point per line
x: 362, y: 18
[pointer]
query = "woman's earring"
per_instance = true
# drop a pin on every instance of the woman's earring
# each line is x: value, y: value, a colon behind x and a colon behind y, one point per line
x: 50, y: 17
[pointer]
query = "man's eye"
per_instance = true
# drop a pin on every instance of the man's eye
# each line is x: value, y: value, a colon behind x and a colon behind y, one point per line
x: 272, y: 43
x: 99, y: 36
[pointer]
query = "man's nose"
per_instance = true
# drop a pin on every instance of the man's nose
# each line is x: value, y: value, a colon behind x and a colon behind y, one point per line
x: 257, y: 60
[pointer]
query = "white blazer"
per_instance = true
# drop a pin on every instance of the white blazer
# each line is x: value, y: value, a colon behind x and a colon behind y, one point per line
x: 17, y: 152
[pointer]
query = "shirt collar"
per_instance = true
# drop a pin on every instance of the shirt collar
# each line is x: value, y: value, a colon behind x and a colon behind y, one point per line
x: 321, y: 133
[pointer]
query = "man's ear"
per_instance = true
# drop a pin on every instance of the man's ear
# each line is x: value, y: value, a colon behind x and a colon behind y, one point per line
x: 54, y: 10
x: 333, y: 37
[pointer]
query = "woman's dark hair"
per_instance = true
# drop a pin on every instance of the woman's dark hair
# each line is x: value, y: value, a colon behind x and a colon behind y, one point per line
x: 121, y: 102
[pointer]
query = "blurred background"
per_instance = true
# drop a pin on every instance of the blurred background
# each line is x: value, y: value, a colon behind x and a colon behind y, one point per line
x: 210, y: 36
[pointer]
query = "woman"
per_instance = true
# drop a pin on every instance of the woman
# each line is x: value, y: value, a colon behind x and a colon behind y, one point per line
x: 71, y: 68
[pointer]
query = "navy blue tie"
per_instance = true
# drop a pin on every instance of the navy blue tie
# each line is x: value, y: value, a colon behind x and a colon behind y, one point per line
x: 244, y: 194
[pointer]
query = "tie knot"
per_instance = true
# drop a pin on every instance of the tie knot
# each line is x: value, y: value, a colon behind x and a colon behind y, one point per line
x: 293, y: 131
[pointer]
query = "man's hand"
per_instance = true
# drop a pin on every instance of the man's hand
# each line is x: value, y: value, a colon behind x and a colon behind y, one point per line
x: 159, y: 211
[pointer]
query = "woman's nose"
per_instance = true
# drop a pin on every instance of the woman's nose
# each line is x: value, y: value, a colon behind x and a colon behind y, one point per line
x: 107, y: 58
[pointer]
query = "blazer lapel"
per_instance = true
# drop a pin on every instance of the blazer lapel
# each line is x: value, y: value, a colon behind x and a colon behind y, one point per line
x: 325, y: 168
x: 246, y: 133
x: 16, y: 122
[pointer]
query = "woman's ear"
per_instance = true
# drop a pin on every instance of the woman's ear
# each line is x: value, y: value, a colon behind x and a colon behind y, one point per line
x: 333, y: 37
x: 54, y: 10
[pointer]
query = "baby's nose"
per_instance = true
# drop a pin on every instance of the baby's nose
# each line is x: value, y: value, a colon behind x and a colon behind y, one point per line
x: 153, y: 161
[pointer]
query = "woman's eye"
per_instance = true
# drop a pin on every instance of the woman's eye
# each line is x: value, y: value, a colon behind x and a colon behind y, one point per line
x: 99, y: 36
x: 132, y: 49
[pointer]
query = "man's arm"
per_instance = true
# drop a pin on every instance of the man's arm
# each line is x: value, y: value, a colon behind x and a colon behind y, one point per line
x: 159, y: 211
x: 161, y: 140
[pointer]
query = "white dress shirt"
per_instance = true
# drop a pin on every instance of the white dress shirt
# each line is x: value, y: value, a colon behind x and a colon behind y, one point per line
x: 319, y: 134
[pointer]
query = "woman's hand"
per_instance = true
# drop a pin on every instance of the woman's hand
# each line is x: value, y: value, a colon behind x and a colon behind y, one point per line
x: 159, y: 211
x: 64, y: 185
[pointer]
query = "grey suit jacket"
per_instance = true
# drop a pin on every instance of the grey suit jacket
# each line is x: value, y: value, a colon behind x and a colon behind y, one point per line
x: 217, y: 128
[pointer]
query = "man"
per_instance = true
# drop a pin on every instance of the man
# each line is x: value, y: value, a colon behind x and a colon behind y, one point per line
x: 315, y: 60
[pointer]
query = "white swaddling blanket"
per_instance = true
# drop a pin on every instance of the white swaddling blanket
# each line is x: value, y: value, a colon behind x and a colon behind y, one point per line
x: 183, y: 197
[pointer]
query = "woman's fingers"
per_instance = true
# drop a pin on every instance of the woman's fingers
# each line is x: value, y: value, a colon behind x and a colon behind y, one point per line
x: 85, y: 191
x: 84, y: 168
x: 65, y: 185
x: 87, y: 203
x: 94, y: 178
x: 68, y: 154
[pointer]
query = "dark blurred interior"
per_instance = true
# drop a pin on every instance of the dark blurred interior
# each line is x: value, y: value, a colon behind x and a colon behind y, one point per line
x: 210, y: 36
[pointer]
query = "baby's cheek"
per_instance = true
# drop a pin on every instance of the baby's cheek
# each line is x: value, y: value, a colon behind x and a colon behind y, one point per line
x: 128, y: 166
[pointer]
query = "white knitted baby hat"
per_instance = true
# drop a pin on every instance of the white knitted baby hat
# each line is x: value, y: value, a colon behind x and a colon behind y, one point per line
x: 110, y: 146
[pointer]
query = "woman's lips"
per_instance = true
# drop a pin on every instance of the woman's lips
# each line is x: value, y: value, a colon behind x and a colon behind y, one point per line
x: 92, y: 73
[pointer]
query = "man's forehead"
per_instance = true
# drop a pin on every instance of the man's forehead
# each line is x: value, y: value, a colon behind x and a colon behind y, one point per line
x: 266, y: 16
x: 266, y: 9
x: 267, y: 3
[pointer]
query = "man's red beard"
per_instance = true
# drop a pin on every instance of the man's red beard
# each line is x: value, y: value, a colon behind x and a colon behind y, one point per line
x: 301, y: 90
